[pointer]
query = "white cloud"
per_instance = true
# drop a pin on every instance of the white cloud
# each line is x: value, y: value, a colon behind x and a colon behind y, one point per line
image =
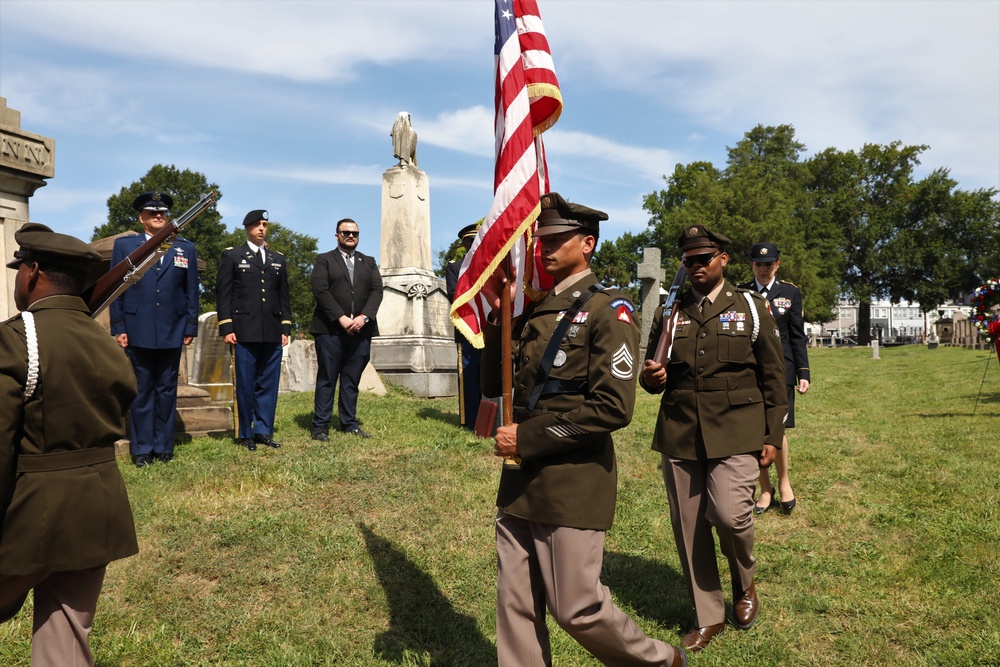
x: 649, y: 163
x: 299, y: 40
x: 467, y: 130
x: 346, y: 175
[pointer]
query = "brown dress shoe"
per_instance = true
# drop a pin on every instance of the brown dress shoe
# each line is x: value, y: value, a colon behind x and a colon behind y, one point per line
x: 699, y: 638
x: 680, y: 658
x: 745, y: 608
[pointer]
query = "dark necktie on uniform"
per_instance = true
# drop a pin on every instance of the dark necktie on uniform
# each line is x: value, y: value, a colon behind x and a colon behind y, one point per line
x: 703, y: 304
x: 763, y: 291
x: 350, y: 266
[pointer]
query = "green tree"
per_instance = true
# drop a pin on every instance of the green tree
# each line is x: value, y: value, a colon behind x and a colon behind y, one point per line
x: 616, y: 262
x: 300, y: 252
x: 864, y: 195
x: 186, y: 187
x: 761, y: 195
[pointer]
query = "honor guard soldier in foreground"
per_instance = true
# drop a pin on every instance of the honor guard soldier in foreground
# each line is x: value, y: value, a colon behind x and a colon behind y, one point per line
x: 469, y: 393
x: 153, y: 320
x: 65, y: 388
x: 721, y: 416
x: 785, y: 301
x: 255, y: 316
x: 569, y: 397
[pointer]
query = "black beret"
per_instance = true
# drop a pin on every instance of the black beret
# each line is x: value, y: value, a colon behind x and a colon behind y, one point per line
x: 468, y: 230
x: 155, y: 201
x: 559, y: 215
x: 699, y: 236
x: 253, y: 217
x: 764, y: 253
x: 40, y: 244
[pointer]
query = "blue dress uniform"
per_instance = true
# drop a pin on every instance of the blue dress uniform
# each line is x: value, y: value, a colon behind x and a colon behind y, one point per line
x: 156, y: 314
x: 253, y: 301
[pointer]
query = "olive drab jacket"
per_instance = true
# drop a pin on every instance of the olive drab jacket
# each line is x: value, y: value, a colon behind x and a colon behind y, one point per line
x: 62, y: 499
x: 720, y: 382
x: 568, y: 474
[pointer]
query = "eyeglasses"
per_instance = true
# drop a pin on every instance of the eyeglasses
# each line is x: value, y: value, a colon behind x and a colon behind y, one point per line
x: 154, y: 214
x: 702, y: 260
x: 348, y: 233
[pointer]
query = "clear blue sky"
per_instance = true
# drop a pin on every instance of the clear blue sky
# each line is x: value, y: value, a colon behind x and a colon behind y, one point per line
x: 288, y: 105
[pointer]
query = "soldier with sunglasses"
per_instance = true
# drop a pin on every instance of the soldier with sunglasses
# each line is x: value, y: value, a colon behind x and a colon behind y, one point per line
x: 721, y: 416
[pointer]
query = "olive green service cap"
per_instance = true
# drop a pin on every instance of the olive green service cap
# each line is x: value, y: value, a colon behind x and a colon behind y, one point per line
x: 38, y: 243
x: 559, y: 215
x: 699, y: 236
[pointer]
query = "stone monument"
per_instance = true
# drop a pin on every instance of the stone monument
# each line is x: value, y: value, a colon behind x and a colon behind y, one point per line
x: 415, y: 347
x: 26, y: 160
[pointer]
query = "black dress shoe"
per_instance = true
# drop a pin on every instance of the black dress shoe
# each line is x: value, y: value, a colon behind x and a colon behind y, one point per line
x: 164, y: 458
x: 143, y: 460
x: 262, y: 439
x: 788, y: 507
x: 320, y: 435
x: 699, y: 638
x: 745, y: 608
x: 248, y: 443
x: 358, y: 432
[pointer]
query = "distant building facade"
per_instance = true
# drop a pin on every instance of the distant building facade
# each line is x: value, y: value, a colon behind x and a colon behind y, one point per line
x: 902, y: 322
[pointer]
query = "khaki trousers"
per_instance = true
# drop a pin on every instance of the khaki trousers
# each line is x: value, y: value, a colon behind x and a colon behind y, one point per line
x: 541, y: 565
x: 703, y: 494
x: 65, y: 603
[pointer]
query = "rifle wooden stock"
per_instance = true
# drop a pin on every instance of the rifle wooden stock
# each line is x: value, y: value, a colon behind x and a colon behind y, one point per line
x: 670, y: 308
x: 127, y: 272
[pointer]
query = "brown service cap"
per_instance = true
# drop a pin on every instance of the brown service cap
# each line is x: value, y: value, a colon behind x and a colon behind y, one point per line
x: 559, y: 215
x: 39, y: 243
x: 698, y: 236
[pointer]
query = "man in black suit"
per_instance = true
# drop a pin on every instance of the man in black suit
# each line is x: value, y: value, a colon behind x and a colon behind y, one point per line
x: 348, y: 290
x: 785, y: 302
x: 469, y: 393
x: 255, y: 317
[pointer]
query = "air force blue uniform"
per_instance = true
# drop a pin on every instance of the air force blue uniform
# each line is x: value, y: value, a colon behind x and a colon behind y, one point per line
x: 156, y: 313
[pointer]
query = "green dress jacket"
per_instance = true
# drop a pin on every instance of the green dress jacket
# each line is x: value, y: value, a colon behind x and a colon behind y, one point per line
x: 725, y: 392
x: 568, y: 475
x: 63, y: 500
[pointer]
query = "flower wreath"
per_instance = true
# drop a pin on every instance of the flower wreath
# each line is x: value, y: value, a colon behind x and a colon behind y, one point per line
x: 984, y: 298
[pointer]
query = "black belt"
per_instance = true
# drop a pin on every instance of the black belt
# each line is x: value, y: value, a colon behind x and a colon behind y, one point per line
x: 77, y: 458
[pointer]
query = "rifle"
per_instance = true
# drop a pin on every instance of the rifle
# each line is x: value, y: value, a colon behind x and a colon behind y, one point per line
x: 662, y: 353
x: 127, y: 272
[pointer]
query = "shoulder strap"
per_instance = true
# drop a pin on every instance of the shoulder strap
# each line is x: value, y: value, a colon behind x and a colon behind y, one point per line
x: 545, y: 367
x: 32, y: 340
x: 753, y: 314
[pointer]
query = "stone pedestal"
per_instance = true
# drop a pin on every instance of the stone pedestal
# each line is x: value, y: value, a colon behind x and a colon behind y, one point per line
x: 26, y: 160
x: 415, y: 348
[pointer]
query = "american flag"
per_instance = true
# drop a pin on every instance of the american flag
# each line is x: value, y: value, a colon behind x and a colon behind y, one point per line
x: 528, y: 102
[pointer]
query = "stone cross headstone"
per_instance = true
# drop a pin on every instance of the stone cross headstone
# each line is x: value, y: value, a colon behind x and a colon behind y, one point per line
x: 651, y: 274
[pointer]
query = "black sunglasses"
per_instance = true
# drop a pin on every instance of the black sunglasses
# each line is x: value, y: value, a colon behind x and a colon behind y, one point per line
x: 703, y: 260
x: 348, y: 233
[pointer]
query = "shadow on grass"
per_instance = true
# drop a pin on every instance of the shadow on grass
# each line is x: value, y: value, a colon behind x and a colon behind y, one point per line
x: 450, y: 418
x: 422, y: 620
x: 304, y: 420
x: 652, y: 588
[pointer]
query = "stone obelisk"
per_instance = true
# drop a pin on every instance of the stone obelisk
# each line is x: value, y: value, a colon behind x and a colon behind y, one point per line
x: 414, y: 347
x: 26, y: 160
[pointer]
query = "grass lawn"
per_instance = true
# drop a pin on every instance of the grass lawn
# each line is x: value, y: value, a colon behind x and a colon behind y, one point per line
x: 380, y: 552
